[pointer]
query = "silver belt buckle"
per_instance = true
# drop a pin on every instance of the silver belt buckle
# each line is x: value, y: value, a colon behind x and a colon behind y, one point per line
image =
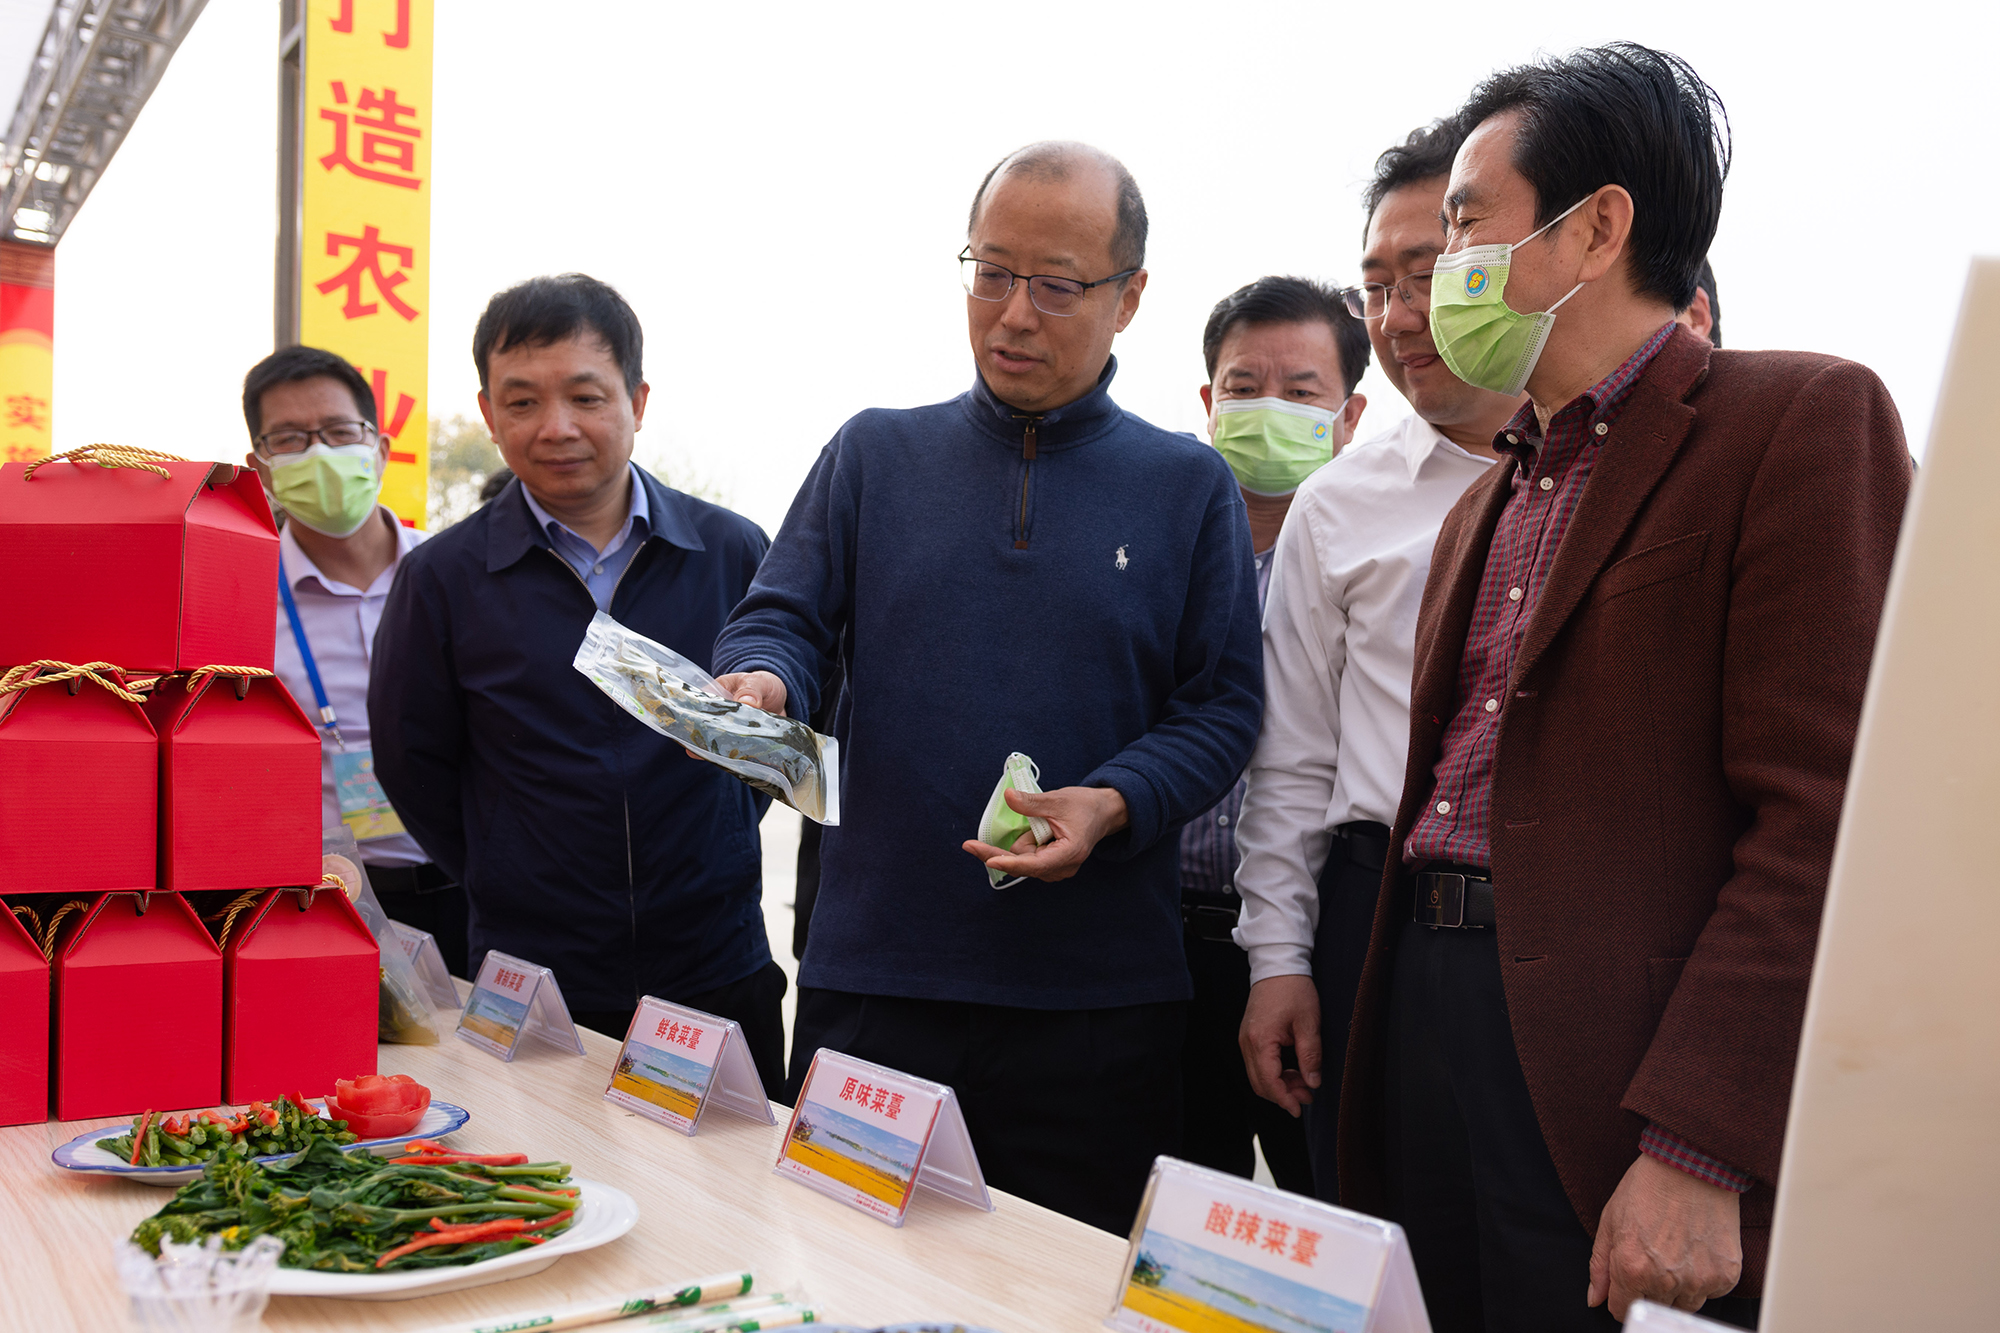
x: 1440, y: 899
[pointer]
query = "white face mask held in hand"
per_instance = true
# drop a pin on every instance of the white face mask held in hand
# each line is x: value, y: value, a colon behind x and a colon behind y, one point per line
x: 1002, y: 826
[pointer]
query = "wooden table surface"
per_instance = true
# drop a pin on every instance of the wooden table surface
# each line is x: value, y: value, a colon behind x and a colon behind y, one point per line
x: 706, y: 1204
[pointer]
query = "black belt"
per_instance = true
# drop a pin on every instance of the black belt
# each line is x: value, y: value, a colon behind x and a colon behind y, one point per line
x: 425, y: 878
x: 1454, y: 898
x: 1212, y: 916
x: 1367, y: 843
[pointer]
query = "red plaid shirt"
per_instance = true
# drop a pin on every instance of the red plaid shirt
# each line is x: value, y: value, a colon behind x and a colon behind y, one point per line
x: 1550, y: 479
x: 1458, y: 818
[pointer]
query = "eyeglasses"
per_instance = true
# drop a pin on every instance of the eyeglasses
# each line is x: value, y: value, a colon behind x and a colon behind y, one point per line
x: 1052, y: 295
x: 294, y: 441
x: 1371, y: 299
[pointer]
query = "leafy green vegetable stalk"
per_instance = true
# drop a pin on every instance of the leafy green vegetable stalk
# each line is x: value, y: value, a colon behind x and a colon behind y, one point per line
x: 342, y: 1213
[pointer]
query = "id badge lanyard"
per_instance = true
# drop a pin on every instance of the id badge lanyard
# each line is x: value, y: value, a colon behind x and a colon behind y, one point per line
x: 328, y: 721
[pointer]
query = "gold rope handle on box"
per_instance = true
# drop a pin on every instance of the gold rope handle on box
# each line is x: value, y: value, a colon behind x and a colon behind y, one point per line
x: 24, y: 677
x: 200, y: 676
x: 30, y: 921
x: 238, y: 905
x: 48, y: 940
x: 110, y: 455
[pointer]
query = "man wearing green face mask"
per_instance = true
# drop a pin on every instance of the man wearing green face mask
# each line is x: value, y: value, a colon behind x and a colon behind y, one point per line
x: 1283, y: 356
x: 314, y: 442
x: 1640, y: 660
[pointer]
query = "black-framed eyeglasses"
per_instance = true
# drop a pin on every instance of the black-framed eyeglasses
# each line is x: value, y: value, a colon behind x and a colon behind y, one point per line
x: 1061, y: 297
x: 291, y: 440
x: 1371, y: 299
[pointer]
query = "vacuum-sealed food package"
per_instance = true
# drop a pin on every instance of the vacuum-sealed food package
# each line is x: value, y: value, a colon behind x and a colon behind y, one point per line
x: 784, y: 759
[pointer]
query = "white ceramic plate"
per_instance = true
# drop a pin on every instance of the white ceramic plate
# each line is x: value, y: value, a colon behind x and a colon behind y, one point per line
x: 82, y: 1153
x: 603, y: 1214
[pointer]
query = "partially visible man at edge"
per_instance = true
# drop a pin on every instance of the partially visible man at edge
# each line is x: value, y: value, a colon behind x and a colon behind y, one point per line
x: 314, y: 440
x: 1640, y: 664
x: 1027, y: 567
x: 1339, y: 639
x: 586, y: 842
x: 1284, y: 356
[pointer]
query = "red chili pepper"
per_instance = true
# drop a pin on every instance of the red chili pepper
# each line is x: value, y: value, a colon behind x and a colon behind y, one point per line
x: 139, y: 1136
x: 460, y: 1235
x: 306, y: 1108
x: 213, y: 1118
x: 174, y: 1125
x: 445, y: 1159
x: 264, y: 1114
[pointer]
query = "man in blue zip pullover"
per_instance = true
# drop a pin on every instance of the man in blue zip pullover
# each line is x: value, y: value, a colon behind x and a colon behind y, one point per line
x: 1026, y: 567
x: 585, y: 842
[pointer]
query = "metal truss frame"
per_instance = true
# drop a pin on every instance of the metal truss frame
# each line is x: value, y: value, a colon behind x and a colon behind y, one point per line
x: 98, y: 62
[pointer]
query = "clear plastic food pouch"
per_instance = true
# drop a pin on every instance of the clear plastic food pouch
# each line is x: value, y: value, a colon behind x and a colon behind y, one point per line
x: 1002, y: 826
x: 405, y: 1015
x: 784, y: 759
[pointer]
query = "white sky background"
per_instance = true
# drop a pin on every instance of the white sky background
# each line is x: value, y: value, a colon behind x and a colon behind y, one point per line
x: 780, y: 190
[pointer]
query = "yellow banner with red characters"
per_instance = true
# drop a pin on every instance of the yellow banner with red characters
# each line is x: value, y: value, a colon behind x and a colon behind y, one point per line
x: 365, y: 229
x: 27, y: 349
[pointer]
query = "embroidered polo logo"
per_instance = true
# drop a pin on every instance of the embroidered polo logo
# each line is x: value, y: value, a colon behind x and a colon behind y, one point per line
x: 1122, y: 560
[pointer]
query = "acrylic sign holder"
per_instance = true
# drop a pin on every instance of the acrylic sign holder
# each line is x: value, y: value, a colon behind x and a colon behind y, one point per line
x: 678, y: 1062
x: 513, y: 1002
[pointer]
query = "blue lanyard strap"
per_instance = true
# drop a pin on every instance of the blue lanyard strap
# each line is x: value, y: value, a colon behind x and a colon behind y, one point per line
x: 326, y: 717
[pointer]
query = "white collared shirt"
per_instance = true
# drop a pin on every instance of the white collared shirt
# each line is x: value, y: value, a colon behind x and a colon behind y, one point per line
x: 339, y: 622
x: 1340, y: 629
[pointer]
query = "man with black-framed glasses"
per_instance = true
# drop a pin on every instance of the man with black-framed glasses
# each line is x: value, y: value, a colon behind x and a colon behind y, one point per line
x: 1025, y: 568
x: 314, y: 441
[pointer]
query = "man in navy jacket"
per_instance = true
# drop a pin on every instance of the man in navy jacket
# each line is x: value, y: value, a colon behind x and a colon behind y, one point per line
x: 586, y: 842
x: 1024, y: 568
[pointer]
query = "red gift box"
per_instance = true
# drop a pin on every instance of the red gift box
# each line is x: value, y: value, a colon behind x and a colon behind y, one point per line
x: 24, y: 1036
x: 239, y: 784
x: 138, y: 1000
x: 303, y: 978
x: 79, y: 784
x: 142, y: 560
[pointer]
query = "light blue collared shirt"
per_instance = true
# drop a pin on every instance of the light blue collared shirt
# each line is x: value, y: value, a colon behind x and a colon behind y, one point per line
x: 599, y: 570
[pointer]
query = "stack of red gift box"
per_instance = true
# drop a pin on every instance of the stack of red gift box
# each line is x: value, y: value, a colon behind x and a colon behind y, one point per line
x: 164, y: 942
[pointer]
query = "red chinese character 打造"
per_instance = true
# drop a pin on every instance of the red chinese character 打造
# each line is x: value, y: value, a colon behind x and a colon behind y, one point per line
x: 368, y: 250
x: 385, y: 140
x: 1219, y: 1217
x: 1247, y: 1224
x: 1275, y: 1235
x: 847, y: 1091
x: 895, y: 1105
x: 27, y: 412
x: 1305, y: 1247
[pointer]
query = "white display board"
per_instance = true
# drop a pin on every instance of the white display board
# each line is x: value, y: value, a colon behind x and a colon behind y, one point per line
x: 1891, y: 1169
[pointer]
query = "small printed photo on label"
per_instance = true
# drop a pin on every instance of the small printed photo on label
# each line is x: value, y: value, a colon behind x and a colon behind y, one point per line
x: 668, y: 1063
x: 498, y: 1007
x: 857, y: 1132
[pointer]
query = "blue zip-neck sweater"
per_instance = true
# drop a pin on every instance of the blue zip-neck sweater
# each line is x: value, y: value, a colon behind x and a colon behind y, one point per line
x: 1076, y: 585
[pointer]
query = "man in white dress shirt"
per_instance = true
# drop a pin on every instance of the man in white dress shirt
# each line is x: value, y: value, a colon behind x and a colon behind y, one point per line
x: 314, y: 440
x: 1339, y: 642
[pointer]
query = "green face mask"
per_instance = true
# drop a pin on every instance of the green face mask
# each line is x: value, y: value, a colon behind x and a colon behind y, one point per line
x: 1002, y: 826
x: 1482, y: 340
x: 1272, y: 444
x: 329, y: 488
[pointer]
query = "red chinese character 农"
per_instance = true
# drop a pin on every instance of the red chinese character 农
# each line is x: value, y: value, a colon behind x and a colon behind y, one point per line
x: 27, y: 412
x: 1306, y: 1248
x: 385, y: 140
x: 847, y: 1091
x: 1219, y: 1216
x: 1275, y: 1233
x: 1247, y: 1224
x: 368, y: 250
x: 881, y: 1101
x: 895, y: 1105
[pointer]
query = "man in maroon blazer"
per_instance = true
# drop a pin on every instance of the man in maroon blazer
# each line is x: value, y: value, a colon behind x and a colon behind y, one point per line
x: 1640, y: 663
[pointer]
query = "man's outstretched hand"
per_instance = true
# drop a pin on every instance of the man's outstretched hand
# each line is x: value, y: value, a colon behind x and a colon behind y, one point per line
x: 1665, y: 1237
x: 759, y: 689
x: 1283, y: 1011
x: 1078, y: 817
